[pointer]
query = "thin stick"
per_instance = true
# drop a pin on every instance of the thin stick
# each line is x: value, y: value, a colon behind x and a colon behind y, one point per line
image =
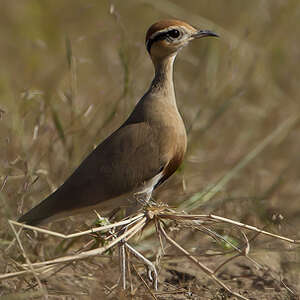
x: 146, y: 262
x: 28, y: 261
x: 204, y: 268
x: 243, y: 252
x: 122, y: 257
x: 249, y: 227
x: 40, y: 270
x: 144, y: 282
x: 229, y: 221
x: 77, y: 234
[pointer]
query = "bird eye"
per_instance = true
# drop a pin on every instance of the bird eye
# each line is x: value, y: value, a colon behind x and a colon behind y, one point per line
x: 174, y: 33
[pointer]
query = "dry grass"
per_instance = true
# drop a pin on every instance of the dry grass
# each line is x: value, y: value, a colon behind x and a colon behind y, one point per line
x: 70, y: 74
x: 120, y: 233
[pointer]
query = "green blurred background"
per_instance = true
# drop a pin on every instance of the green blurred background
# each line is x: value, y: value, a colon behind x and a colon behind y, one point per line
x: 71, y: 72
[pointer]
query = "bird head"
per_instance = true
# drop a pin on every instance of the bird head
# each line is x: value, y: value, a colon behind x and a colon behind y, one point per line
x: 165, y: 38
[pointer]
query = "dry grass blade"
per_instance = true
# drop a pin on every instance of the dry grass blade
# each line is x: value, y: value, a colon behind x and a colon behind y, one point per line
x: 210, y: 217
x: 3, y: 183
x: 122, y: 256
x: 205, y: 269
x: 143, y: 281
x: 81, y: 233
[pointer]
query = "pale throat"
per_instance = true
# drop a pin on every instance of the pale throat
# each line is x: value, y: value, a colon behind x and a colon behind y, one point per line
x: 162, y: 83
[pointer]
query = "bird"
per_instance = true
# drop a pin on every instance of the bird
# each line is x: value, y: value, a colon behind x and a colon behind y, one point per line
x: 125, y: 168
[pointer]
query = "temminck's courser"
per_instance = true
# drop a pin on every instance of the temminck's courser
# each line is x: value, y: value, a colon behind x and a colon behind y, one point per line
x: 142, y: 153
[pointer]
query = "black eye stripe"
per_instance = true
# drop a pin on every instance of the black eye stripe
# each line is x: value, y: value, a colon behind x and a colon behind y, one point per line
x: 158, y: 37
x: 174, y: 33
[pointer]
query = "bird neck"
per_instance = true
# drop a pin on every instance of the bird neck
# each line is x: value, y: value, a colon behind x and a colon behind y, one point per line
x: 162, y: 84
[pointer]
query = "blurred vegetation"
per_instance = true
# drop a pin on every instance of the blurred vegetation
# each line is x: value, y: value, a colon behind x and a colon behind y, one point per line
x: 71, y: 72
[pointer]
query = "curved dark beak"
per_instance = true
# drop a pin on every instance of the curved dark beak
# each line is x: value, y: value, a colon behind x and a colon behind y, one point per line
x: 203, y: 33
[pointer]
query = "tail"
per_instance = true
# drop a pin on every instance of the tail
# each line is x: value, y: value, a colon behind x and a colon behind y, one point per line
x: 41, y: 213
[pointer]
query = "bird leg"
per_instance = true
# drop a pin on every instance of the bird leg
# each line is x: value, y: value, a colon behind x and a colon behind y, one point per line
x: 143, y: 197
